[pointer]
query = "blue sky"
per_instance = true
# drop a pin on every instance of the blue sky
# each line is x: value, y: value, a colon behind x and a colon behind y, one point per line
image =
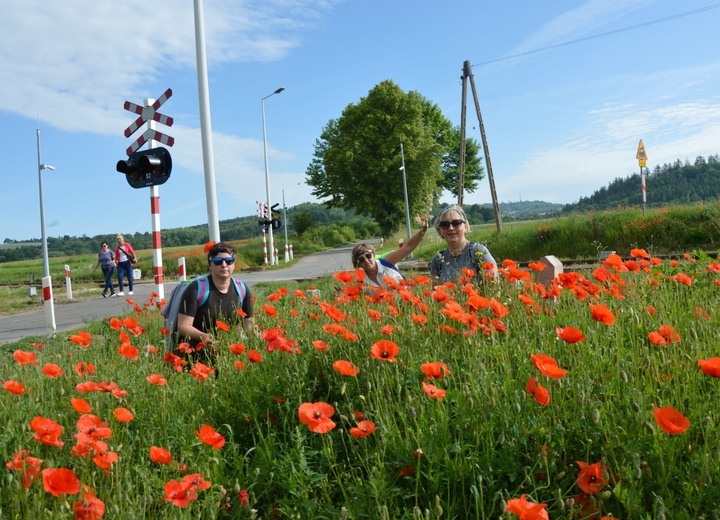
x: 560, y: 123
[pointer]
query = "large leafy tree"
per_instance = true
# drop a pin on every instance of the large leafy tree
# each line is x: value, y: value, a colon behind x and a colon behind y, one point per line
x: 357, y: 158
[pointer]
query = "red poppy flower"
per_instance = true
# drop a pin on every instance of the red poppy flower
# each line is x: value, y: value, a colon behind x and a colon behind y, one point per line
x: 209, y: 436
x: 385, y: 350
x: 436, y: 370
x: 244, y: 497
x: 160, y: 455
x: 684, y: 279
x: 317, y: 416
x: 239, y: 365
x: 60, y: 481
x: 407, y: 471
x: 129, y: 351
x: 25, y: 358
x: 47, y: 431
x: 80, y: 405
x: 52, y: 370
x: 104, y: 459
x: 420, y: 319
x: 602, y: 313
x: 570, y: 334
x: 539, y: 392
x: 590, y: 477
x: 82, y: 338
x: 387, y: 330
x: 30, y: 467
x: 221, y: 325
x: 254, y: 356
x: 433, y: 391
x: 657, y: 339
x: 197, y: 481
x: 201, y: 371
x: 237, y: 348
x: 180, y: 493
x: 93, y: 426
x: 320, y: 345
x: 711, y: 366
x: 123, y: 414
x: 548, y: 366
x: 526, y: 510
x: 345, y: 368
x: 83, y: 369
x: 669, y: 333
x: 670, y: 420
x: 156, y: 379
x: 363, y: 429
x: 90, y: 507
x: 14, y: 387
x: 344, y: 277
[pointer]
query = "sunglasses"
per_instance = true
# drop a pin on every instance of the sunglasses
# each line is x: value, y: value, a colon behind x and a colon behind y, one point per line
x: 445, y: 224
x: 366, y: 256
x: 217, y: 260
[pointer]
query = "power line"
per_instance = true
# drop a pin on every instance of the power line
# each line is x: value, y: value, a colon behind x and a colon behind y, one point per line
x: 624, y: 29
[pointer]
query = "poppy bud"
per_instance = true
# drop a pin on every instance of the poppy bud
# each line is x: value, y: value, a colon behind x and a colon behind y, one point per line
x: 605, y: 495
x: 518, y: 408
x: 650, y: 427
x: 624, y: 376
x: 595, y: 416
x: 116, y: 510
x: 342, y: 389
x: 560, y: 475
x: 438, y: 510
x: 635, y: 406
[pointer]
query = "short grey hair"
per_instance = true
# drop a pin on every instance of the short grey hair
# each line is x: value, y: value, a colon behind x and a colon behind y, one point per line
x: 447, y: 211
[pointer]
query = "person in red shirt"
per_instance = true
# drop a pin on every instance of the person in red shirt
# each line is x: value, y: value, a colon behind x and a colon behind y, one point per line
x: 124, y: 258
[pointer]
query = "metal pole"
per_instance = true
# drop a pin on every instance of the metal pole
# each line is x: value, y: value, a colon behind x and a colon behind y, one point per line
x: 205, y: 125
x: 287, y: 251
x: 271, y: 245
x: 48, y: 302
x: 41, y: 167
x: 407, y: 206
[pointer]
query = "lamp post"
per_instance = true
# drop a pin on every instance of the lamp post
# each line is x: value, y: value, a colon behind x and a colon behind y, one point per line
x: 407, y: 206
x: 287, y: 250
x: 47, y: 280
x: 271, y: 245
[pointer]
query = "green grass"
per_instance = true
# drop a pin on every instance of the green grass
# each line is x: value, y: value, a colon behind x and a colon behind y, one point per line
x: 488, y: 441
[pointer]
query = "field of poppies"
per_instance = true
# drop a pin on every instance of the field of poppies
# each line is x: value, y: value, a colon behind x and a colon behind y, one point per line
x: 594, y: 396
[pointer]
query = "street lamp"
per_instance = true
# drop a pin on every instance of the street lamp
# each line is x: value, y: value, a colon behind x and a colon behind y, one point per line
x: 47, y: 281
x: 271, y: 245
x: 407, y: 206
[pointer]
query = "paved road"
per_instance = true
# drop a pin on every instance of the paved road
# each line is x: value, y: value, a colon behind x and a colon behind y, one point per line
x: 71, y: 315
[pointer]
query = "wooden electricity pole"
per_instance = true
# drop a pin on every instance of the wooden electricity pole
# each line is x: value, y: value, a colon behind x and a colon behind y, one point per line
x: 467, y: 73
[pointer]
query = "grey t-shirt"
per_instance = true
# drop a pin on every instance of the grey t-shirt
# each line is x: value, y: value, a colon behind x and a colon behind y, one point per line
x: 106, y: 259
x: 449, y: 268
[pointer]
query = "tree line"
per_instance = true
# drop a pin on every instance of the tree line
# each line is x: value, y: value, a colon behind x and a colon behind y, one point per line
x: 676, y: 183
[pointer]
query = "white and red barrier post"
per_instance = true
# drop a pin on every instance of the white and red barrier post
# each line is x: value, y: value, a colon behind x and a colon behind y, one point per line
x: 275, y: 255
x: 265, y: 256
x: 401, y: 242
x: 291, y: 252
x: 48, y: 303
x: 181, y: 269
x: 68, y: 282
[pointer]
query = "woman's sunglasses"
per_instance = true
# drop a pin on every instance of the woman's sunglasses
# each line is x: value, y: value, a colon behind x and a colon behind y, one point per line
x: 218, y: 260
x: 445, y: 224
x: 366, y: 256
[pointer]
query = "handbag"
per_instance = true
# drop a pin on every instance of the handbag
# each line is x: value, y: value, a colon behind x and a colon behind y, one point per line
x: 130, y: 256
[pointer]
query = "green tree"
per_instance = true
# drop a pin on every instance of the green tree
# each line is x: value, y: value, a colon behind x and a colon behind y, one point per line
x: 302, y: 221
x: 357, y: 158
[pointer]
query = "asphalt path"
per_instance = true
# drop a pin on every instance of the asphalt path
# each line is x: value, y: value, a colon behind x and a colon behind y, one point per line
x: 70, y: 315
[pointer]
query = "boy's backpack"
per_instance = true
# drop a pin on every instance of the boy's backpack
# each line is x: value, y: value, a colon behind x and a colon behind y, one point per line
x: 172, y: 307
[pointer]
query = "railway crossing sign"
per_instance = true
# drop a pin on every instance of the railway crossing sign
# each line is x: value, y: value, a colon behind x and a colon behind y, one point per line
x: 147, y: 114
x: 641, y: 156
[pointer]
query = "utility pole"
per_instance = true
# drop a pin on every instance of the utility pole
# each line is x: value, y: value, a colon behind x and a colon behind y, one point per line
x: 467, y: 73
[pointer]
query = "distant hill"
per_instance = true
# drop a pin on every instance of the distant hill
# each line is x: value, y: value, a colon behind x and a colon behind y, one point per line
x: 676, y: 183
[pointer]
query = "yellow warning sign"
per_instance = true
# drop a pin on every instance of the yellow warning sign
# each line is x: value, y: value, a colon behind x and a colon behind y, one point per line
x: 641, y: 156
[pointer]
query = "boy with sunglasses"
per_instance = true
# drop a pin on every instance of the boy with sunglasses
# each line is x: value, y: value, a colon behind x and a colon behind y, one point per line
x: 196, y: 323
x: 447, y: 265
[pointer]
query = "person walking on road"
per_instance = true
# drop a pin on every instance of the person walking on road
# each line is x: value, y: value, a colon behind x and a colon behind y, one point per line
x: 106, y: 261
x: 124, y: 258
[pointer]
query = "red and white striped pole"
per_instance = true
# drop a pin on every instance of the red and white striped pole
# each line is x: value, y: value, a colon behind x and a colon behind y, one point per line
x: 291, y: 252
x: 275, y: 255
x: 155, y: 215
x: 265, y: 247
x: 68, y: 282
x: 181, y: 269
x: 48, y: 303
